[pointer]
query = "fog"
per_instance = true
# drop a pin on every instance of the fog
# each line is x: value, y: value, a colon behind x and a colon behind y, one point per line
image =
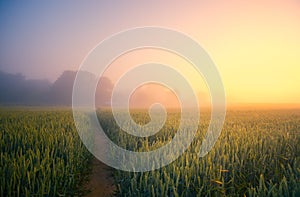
x: 17, y: 90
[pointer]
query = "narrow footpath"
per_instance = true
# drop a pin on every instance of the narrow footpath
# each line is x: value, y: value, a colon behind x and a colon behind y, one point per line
x: 101, y: 183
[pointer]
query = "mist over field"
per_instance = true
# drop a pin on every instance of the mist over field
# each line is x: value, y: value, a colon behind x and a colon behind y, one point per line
x: 18, y: 90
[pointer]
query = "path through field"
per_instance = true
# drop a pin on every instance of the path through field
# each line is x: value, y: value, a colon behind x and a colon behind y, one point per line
x: 101, y: 183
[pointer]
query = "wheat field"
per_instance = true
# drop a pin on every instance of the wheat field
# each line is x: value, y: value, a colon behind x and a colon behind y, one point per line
x: 257, y: 154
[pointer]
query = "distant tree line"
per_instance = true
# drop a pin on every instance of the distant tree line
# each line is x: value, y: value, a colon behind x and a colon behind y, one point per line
x: 17, y: 90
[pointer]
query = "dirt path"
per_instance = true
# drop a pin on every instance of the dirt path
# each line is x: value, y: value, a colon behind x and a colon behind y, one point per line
x: 101, y: 183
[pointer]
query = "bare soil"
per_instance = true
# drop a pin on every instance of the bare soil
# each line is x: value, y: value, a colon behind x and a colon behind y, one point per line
x: 101, y: 182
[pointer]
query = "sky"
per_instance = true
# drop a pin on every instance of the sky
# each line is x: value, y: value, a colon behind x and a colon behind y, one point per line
x: 254, y: 44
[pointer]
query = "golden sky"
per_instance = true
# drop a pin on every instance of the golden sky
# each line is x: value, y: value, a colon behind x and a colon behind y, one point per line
x: 254, y: 44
